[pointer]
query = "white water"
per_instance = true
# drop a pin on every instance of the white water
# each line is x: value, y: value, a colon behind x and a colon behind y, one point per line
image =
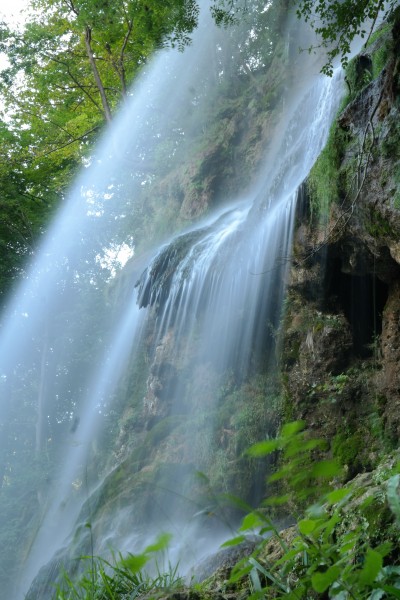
x: 231, y: 279
x: 64, y: 506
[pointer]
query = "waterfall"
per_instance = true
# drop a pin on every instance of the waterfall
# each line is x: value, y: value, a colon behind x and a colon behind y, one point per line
x: 210, y: 298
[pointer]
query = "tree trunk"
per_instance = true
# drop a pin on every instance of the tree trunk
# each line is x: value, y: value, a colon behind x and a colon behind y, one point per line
x: 96, y: 74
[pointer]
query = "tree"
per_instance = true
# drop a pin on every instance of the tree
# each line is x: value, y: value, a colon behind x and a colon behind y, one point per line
x: 88, y: 52
x: 69, y: 69
x: 339, y: 22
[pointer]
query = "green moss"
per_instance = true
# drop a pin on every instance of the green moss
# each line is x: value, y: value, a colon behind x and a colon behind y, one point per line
x: 379, y: 60
x: 381, y: 32
x: 381, y: 43
x: 291, y: 351
x: 390, y: 146
x: 358, y: 74
x: 348, y: 448
x: 327, y: 182
x: 378, y: 226
x: 382, y: 527
x: 288, y: 408
x: 324, y: 178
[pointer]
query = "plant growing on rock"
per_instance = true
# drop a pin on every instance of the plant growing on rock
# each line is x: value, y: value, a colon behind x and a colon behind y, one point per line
x: 121, y: 577
x: 330, y: 551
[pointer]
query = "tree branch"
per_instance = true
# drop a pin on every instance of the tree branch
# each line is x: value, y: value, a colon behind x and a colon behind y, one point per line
x: 81, y: 137
x: 78, y: 84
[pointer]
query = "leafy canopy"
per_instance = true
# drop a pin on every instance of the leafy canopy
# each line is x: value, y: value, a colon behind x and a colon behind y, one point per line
x: 339, y: 22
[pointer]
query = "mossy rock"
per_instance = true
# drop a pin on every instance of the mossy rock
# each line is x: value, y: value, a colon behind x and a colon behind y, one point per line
x: 378, y: 226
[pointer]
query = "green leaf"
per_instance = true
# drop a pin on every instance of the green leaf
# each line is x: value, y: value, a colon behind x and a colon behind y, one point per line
x: 338, y: 495
x: 238, y: 574
x: 284, y: 472
x: 317, y: 511
x: 384, y: 549
x: 234, y: 541
x: 307, y: 526
x: 390, y: 589
x: 312, y: 444
x: 330, y: 525
x: 390, y: 570
x: 257, y: 595
x: 290, y: 429
x: 251, y: 521
x: 290, y: 555
x: 367, y: 502
x: 255, y: 579
x: 295, y: 594
x: 345, y: 548
x: 264, y: 448
x: 372, y: 565
x: 393, y: 495
x: 237, y: 502
x: 267, y: 573
x: 134, y: 563
x: 321, y: 581
x: 160, y: 544
x: 276, y: 500
x: 267, y: 529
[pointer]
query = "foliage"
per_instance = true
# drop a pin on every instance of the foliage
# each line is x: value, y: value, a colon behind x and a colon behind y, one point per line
x: 348, y: 448
x: 330, y: 553
x: 44, y: 148
x: 342, y: 547
x: 382, y: 44
x: 299, y: 472
x: 48, y: 132
x: 68, y: 70
x: 329, y: 181
x: 122, y: 577
x: 324, y: 178
x: 55, y: 105
x: 338, y: 23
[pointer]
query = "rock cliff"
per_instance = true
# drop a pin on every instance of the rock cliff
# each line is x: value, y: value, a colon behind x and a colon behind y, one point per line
x: 341, y: 352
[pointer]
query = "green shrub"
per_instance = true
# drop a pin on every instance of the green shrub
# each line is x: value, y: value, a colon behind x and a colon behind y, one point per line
x: 330, y: 553
x: 122, y: 577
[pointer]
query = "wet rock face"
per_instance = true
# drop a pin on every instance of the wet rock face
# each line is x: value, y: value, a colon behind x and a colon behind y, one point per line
x: 370, y: 206
x: 155, y: 282
x: 317, y: 348
x: 161, y: 381
x: 224, y: 560
x: 342, y: 331
x: 390, y: 348
x: 368, y: 210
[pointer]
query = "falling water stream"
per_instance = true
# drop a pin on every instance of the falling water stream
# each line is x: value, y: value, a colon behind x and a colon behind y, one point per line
x: 209, y: 287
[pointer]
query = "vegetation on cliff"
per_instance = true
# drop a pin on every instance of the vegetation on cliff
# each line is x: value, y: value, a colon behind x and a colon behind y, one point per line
x: 339, y: 363
x: 345, y: 544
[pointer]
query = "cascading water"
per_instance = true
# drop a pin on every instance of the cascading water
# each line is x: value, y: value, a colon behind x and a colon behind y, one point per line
x: 214, y: 300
